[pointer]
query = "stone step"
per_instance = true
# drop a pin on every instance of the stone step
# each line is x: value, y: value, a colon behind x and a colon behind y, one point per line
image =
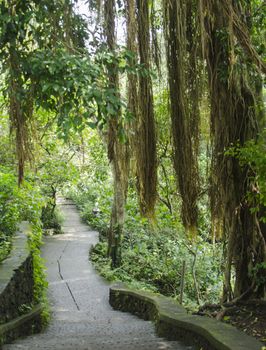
x: 90, y: 343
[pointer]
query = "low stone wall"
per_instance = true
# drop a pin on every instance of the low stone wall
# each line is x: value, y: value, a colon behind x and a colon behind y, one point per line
x: 17, y: 314
x: 174, y: 323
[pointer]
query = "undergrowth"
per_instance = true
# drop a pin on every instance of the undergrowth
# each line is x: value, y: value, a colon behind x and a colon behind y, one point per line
x: 152, y: 260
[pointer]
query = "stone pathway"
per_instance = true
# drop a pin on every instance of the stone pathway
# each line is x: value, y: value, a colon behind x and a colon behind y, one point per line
x: 82, y: 318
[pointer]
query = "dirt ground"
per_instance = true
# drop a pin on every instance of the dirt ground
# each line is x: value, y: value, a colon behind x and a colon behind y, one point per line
x: 250, y: 317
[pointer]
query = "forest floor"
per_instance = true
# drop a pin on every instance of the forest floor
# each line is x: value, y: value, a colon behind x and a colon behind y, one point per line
x: 249, y: 317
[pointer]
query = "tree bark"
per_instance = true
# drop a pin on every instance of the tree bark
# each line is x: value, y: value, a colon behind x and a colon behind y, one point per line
x: 117, y: 151
x: 184, y: 115
x: 146, y: 141
x: 233, y: 121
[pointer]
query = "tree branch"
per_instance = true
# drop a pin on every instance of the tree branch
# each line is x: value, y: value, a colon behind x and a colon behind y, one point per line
x: 243, y: 37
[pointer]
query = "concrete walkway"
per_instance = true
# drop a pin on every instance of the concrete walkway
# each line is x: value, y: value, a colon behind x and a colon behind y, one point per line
x: 82, y: 318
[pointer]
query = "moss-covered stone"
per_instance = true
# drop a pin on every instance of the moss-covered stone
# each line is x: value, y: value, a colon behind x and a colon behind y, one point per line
x: 174, y: 323
x: 17, y: 292
x: 21, y: 326
x: 16, y: 280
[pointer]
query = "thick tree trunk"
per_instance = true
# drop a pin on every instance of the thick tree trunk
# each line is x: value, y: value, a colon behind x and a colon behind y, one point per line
x: 184, y: 115
x: 233, y: 121
x: 146, y: 141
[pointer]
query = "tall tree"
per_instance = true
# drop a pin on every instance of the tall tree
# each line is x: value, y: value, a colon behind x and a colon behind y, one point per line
x: 14, y: 47
x: 184, y: 114
x: 28, y: 28
x: 117, y: 150
x: 132, y: 84
x: 233, y: 120
x: 146, y: 142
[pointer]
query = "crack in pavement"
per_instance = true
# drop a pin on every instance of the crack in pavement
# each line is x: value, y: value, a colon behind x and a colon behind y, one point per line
x: 68, y: 287
x: 62, y: 277
x: 65, y: 247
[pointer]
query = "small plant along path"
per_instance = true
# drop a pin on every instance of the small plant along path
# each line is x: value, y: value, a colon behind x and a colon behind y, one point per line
x: 82, y: 318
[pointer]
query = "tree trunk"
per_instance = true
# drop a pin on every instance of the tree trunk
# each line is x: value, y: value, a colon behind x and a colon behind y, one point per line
x: 184, y: 114
x: 132, y: 80
x: 233, y: 121
x: 117, y: 151
x: 146, y: 141
x: 20, y: 112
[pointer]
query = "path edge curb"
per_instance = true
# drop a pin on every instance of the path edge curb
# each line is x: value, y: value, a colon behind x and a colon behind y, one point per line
x: 24, y: 325
x: 174, y: 323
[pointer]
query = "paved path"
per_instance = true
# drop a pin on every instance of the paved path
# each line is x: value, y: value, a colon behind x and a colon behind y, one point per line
x: 82, y: 318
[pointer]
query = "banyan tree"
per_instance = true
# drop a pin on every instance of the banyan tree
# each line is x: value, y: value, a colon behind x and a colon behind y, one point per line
x: 184, y: 108
x: 146, y: 141
x: 233, y: 121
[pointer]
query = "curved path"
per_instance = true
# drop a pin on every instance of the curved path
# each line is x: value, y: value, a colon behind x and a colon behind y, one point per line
x: 82, y: 318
